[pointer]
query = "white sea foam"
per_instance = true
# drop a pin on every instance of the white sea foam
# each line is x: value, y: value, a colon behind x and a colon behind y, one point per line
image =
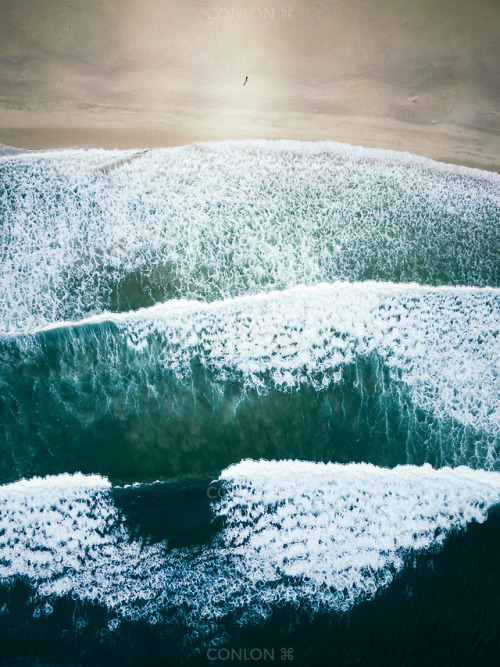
x: 343, y: 531
x: 442, y: 343
x: 323, y: 535
x: 87, y: 230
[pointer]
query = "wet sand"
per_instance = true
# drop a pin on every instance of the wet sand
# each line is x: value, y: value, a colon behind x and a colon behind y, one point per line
x: 418, y: 76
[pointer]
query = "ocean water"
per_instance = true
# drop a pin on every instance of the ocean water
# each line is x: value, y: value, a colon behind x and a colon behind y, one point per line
x: 249, y: 407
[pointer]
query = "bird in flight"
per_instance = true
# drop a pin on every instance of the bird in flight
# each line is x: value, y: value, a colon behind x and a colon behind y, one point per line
x: 245, y: 82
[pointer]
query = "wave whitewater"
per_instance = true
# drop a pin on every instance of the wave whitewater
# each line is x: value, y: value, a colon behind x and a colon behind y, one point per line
x: 89, y: 231
x: 323, y: 536
x: 330, y: 312
x: 379, y: 372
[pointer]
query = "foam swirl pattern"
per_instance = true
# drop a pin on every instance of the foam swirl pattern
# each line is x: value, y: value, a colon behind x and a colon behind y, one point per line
x: 87, y: 231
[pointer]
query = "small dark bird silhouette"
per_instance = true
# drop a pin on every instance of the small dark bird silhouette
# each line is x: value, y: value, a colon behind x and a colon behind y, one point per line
x: 245, y: 82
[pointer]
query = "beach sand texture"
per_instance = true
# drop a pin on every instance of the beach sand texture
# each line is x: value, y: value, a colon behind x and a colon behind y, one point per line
x: 414, y: 75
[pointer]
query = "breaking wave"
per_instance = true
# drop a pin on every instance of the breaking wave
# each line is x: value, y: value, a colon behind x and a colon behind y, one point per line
x: 345, y: 372
x: 326, y: 536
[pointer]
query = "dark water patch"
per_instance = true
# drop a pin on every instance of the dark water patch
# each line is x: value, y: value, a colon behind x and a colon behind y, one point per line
x: 442, y: 611
x: 178, y: 513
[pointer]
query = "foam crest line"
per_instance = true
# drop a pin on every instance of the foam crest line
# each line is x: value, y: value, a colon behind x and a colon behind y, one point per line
x: 344, y: 372
x: 178, y: 307
x: 89, y: 231
x: 310, y: 536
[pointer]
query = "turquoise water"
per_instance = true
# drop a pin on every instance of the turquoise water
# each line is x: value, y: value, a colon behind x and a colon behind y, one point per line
x: 249, y: 401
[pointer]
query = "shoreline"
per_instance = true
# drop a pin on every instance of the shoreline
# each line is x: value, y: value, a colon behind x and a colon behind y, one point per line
x: 461, y: 146
x: 420, y: 77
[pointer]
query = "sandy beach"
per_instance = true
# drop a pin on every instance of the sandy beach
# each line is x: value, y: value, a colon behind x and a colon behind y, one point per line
x: 417, y: 76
